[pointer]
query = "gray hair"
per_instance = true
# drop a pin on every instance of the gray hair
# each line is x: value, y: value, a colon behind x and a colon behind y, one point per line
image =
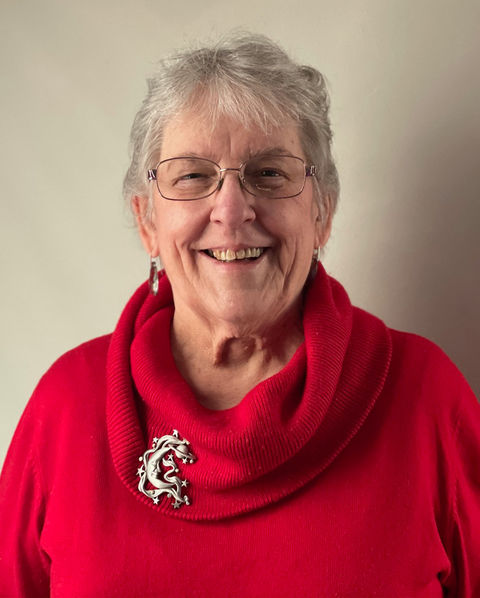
x: 246, y: 77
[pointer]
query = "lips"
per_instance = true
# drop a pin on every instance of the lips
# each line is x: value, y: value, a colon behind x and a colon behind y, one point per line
x: 231, y: 255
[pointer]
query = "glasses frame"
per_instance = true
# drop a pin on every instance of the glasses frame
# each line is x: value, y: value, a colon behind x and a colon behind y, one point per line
x: 310, y: 171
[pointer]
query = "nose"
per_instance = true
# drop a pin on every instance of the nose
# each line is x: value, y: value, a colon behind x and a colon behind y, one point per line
x: 232, y: 206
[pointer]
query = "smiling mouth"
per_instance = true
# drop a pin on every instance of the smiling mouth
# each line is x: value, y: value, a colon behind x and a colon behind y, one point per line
x: 229, y: 255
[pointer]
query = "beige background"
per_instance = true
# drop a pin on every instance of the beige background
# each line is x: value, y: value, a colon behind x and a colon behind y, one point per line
x: 404, y: 78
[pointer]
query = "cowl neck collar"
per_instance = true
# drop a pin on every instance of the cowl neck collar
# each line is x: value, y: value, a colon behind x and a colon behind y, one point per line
x: 285, y: 431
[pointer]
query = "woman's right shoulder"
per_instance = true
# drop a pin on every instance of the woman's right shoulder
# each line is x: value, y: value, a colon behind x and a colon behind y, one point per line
x: 77, y: 376
x: 88, y: 358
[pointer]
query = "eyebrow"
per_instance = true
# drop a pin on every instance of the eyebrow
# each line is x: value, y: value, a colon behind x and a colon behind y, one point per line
x: 271, y: 150
x: 274, y: 150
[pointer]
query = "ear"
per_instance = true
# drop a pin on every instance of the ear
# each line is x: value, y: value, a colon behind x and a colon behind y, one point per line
x: 323, y: 231
x: 145, y: 226
x: 323, y: 226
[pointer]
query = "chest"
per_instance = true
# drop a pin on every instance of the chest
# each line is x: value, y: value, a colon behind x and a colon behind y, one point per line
x: 335, y: 537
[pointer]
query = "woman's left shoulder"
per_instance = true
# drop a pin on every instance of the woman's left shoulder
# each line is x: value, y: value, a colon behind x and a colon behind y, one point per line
x: 421, y: 365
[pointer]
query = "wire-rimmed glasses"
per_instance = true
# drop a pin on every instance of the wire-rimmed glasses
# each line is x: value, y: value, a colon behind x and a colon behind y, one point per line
x: 187, y: 178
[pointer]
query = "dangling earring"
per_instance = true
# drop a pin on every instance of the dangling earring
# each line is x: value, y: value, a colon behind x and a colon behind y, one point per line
x: 153, y: 276
x: 314, y: 264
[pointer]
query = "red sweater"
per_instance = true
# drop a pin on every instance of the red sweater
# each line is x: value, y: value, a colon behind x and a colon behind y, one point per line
x: 352, y: 472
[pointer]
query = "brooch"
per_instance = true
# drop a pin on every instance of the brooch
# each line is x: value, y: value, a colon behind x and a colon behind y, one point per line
x: 164, y: 480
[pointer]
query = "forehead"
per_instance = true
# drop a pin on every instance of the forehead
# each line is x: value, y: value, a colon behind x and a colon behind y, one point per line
x: 191, y: 134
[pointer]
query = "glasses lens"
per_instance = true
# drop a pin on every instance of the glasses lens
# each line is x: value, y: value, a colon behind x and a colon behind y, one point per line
x: 187, y: 178
x: 274, y: 176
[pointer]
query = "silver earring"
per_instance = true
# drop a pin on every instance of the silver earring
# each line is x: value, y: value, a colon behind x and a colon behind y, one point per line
x: 153, y: 276
x: 314, y: 264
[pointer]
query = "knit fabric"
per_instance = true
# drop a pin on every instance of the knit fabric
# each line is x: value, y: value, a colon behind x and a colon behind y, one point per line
x: 354, y: 471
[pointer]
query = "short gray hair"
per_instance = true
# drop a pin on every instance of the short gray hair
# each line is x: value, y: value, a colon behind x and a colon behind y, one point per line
x: 249, y: 78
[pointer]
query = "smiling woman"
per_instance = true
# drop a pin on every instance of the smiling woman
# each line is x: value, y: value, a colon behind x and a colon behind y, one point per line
x: 261, y: 435
x: 222, y: 299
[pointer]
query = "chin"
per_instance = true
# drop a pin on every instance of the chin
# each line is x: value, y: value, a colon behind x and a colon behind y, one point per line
x: 238, y: 315
x: 249, y: 312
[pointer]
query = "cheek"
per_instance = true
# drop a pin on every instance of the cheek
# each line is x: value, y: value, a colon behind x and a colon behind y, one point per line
x: 297, y: 229
x: 178, y: 226
x: 295, y: 250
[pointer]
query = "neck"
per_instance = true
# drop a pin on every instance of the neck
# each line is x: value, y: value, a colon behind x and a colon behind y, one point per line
x: 222, y: 361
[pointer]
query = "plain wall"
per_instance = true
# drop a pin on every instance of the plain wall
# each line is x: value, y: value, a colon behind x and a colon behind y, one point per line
x: 405, y: 85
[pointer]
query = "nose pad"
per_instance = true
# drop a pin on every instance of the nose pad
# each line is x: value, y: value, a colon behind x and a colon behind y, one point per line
x: 241, y: 179
x: 234, y: 207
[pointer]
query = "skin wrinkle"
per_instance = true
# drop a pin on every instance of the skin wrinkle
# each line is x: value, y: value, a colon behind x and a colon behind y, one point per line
x: 213, y: 122
x: 235, y: 324
x: 249, y: 79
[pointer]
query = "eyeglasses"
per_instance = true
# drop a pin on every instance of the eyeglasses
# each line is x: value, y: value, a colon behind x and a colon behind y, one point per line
x: 273, y: 177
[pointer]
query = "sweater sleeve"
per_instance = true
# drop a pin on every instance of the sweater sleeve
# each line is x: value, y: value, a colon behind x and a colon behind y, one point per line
x: 24, y: 566
x: 465, y: 535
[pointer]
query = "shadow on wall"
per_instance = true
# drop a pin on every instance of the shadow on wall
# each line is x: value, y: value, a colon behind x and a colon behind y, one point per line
x: 440, y: 172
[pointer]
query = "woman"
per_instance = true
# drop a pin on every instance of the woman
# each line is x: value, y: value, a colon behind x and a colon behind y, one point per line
x: 244, y: 431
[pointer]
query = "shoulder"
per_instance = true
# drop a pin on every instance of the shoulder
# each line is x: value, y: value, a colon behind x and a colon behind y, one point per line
x: 68, y: 404
x: 88, y: 359
x: 87, y: 355
x: 75, y: 382
x: 423, y: 359
x: 426, y: 379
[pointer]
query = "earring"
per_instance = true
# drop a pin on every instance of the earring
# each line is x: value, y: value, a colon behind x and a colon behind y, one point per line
x: 153, y: 276
x: 314, y: 264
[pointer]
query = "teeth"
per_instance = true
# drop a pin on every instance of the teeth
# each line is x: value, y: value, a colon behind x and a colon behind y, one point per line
x: 229, y: 255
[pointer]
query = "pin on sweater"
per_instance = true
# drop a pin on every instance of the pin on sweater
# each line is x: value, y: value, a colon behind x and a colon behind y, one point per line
x: 330, y: 455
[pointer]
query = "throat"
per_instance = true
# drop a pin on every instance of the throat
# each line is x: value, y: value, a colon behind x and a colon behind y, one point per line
x: 224, y: 384
x: 224, y: 369
x: 238, y: 351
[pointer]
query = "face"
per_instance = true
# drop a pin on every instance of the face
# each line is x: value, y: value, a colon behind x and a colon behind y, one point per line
x: 243, y: 293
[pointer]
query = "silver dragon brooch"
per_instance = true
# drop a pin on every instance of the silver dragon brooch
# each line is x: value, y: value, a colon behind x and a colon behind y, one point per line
x: 159, y: 468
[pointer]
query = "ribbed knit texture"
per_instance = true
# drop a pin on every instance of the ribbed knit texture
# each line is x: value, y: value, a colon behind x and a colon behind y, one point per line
x: 283, y: 433
x: 352, y: 473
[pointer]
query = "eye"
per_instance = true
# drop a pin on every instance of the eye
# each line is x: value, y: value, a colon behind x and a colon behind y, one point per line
x: 269, y: 172
x: 267, y: 168
x: 192, y: 175
x: 266, y: 177
x: 194, y: 178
